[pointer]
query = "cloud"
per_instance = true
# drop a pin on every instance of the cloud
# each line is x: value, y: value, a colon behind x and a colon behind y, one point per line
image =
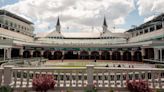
x: 148, y: 8
x: 75, y: 14
x: 149, y: 18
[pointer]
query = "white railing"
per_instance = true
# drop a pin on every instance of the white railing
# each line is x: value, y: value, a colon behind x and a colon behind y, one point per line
x: 101, y: 77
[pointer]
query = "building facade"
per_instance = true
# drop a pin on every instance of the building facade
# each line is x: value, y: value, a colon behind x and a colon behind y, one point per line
x: 142, y: 43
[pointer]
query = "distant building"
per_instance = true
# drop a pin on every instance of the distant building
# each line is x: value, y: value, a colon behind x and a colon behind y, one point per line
x: 145, y: 42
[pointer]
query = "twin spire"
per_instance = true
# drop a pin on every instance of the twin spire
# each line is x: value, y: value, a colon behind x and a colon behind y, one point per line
x: 58, y: 27
x: 105, y: 26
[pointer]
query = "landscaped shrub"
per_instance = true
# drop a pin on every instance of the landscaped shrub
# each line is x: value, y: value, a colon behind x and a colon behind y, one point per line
x: 138, y: 86
x: 43, y: 83
x: 90, y: 89
x: 6, y: 89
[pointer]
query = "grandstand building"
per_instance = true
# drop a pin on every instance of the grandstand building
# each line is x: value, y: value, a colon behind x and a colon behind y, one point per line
x: 142, y: 43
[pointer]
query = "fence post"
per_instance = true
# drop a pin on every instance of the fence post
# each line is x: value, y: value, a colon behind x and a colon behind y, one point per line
x: 7, y: 74
x: 90, y: 71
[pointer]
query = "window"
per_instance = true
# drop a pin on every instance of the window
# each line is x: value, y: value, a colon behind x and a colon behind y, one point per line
x: 15, y: 25
x: 146, y: 30
x: 1, y: 20
x: 6, y: 22
x: 11, y: 24
x: 151, y: 29
x: 159, y: 26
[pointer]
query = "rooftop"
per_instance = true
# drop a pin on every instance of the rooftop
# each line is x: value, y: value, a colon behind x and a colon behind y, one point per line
x: 5, y: 12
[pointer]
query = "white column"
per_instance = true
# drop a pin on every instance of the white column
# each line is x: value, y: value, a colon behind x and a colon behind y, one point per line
x: 143, y: 31
x: 162, y: 24
x: 7, y: 75
x: 52, y: 53
x: 9, y: 53
x: 132, y: 55
x: 90, y: 71
x: 4, y: 56
x: 100, y: 53
x: 155, y: 27
x: 148, y: 29
x: 21, y: 52
x: 31, y: 53
x: 42, y: 53
x: 110, y: 54
x: 89, y: 52
x: 121, y: 53
x: 63, y: 52
x: 156, y: 54
x: 160, y: 54
x: 143, y: 53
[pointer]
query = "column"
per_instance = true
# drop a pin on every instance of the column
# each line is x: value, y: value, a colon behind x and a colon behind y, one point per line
x: 90, y: 71
x: 52, y: 53
x: 63, y: 52
x: 155, y: 27
x: 160, y: 54
x: 21, y: 52
x: 42, y: 53
x: 132, y: 54
x: 121, y: 53
x: 31, y: 53
x: 78, y: 54
x: 148, y: 29
x: 4, y: 54
x: 9, y: 53
x: 156, y: 54
x: 89, y: 54
x: 7, y: 75
x: 143, y: 31
x: 110, y: 54
x: 100, y: 53
x: 143, y: 53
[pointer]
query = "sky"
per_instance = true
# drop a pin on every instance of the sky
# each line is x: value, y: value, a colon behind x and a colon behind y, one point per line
x: 85, y: 15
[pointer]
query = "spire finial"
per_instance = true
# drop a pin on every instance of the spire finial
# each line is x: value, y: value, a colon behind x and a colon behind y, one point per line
x: 105, y: 24
x: 58, y: 22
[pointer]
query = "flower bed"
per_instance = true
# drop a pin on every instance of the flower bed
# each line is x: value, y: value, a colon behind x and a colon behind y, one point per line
x: 138, y: 86
x: 43, y: 82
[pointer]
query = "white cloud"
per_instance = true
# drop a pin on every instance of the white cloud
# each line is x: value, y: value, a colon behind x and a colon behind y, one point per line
x: 119, y: 20
x: 148, y: 18
x: 77, y: 14
x: 149, y: 7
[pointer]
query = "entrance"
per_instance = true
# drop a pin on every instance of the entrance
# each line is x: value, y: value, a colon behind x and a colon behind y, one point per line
x: 137, y: 56
x: 58, y: 55
x: 14, y: 53
x: 127, y: 56
x: 47, y: 54
x: 116, y: 55
x: 94, y: 55
x: 84, y: 55
x: 105, y: 55
x: 71, y: 55
x: 26, y: 54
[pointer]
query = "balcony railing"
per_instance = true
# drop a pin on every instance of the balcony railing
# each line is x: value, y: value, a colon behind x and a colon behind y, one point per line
x: 100, y: 77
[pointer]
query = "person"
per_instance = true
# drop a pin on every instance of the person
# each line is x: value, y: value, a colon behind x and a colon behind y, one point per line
x: 95, y: 60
